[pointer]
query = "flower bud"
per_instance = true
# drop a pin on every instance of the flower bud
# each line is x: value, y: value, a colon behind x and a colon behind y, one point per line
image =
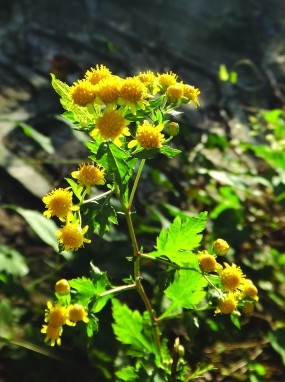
x: 221, y: 247
x: 173, y: 129
x: 207, y: 262
x: 62, y: 287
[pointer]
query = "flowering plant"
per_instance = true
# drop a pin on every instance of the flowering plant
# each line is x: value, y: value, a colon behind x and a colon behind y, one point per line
x: 128, y: 121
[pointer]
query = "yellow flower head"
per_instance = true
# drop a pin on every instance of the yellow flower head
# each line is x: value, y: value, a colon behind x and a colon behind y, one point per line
x: 207, y: 262
x: 55, y: 315
x: 94, y: 75
x: 148, y: 136
x: 190, y: 94
x: 76, y: 313
x: 108, y: 90
x: 111, y: 125
x: 62, y: 287
x: 220, y: 247
x: 149, y: 80
x: 166, y: 79
x: 71, y: 236
x: 227, y: 305
x: 89, y: 175
x: 53, y: 334
x: 82, y: 92
x: 133, y: 93
x: 59, y: 203
x: 250, y: 290
x: 174, y: 93
x: 232, y: 277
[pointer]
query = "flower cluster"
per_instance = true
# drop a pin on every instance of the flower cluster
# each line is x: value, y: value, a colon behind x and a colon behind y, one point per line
x: 115, y: 102
x: 59, y: 314
x: 59, y: 203
x: 236, y: 289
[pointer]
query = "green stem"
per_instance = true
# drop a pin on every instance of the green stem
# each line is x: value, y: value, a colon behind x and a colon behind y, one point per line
x: 118, y: 289
x: 136, y: 183
x: 137, y: 276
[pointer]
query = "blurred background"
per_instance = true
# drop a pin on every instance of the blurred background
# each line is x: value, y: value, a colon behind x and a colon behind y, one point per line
x: 232, y: 165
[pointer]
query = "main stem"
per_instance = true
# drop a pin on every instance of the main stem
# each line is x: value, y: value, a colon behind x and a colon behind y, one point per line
x: 139, y: 287
x: 137, y: 261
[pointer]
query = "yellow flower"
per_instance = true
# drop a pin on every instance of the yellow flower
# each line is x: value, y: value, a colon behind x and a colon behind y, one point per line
x: 148, y: 136
x: 111, y: 125
x: 227, y: 305
x: 207, y: 262
x: 59, y: 203
x: 166, y: 79
x: 89, y: 175
x: 133, y: 93
x: 108, y: 90
x: 71, y: 236
x: 82, y: 92
x: 53, y: 334
x: 76, y: 313
x: 220, y: 247
x: 250, y: 290
x: 62, y: 287
x: 149, y: 80
x: 55, y: 315
x: 190, y: 93
x: 232, y: 277
x: 174, y: 93
x: 94, y: 75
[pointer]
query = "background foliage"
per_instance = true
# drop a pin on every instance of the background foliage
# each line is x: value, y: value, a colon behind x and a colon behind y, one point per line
x: 232, y: 165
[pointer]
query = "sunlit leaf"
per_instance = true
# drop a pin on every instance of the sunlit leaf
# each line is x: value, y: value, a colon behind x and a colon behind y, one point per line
x: 127, y: 374
x: 183, y: 235
x: 186, y: 291
x: 128, y: 327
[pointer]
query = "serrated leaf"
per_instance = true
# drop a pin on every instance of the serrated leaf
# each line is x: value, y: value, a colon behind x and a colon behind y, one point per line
x: 99, y: 214
x: 116, y: 161
x: 77, y: 114
x: 128, y: 328
x: 169, y: 151
x: 186, y: 291
x: 180, y: 239
x: 12, y: 262
x: 85, y: 288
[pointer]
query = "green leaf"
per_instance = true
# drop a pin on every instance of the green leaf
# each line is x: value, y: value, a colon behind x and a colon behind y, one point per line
x: 277, y: 341
x: 180, y: 239
x: 12, y: 262
x: 99, y: 214
x: 85, y: 288
x: 128, y: 328
x: 77, y: 114
x: 186, y: 291
x: 169, y: 151
x: 43, y: 227
x: 229, y: 200
x: 92, y: 326
x: 42, y: 140
x: 116, y: 161
x: 127, y: 374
